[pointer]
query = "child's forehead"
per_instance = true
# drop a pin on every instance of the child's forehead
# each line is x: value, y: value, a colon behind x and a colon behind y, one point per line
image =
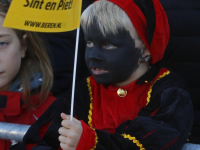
x: 97, y: 37
x: 94, y: 29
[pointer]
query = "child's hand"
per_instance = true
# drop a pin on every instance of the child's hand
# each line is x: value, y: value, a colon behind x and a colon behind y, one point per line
x: 70, y: 133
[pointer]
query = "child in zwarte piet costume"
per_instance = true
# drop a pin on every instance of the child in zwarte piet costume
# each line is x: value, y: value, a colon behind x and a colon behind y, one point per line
x: 130, y: 101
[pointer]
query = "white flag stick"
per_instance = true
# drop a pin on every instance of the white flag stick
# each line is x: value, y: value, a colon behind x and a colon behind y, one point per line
x: 74, y: 73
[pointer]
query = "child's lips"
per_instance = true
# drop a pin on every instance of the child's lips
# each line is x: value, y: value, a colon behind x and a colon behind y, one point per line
x: 98, y: 71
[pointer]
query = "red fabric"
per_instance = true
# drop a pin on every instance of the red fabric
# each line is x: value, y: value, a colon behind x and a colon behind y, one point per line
x: 110, y: 110
x: 87, y: 140
x: 161, y: 33
x: 12, y: 105
x: 14, y: 113
x: 27, y: 116
x: 2, y: 142
x: 153, y: 113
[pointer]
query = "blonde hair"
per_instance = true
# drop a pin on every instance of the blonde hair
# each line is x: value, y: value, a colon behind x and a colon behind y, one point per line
x: 110, y: 19
x: 35, y: 60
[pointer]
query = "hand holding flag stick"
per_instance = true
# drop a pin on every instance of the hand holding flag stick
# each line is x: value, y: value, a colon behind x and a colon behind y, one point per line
x: 70, y: 132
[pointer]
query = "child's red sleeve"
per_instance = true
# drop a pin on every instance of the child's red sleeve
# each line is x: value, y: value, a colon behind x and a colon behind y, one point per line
x: 87, y: 139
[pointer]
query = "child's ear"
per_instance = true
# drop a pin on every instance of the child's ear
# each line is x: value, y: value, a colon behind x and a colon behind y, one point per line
x: 146, y: 52
x: 146, y: 56
x: 24, y: 46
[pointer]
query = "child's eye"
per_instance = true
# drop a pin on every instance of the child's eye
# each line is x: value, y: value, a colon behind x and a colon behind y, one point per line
x: 3, y: 44
x: 109, y: 46
x: 90, y: 44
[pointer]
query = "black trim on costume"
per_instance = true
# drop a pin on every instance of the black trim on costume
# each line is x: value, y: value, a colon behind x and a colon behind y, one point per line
x: 150, y: 74
x: 3, y: 101
x: 21, y: 102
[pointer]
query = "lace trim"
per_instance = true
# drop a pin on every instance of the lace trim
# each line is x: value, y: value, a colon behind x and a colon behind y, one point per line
x: 127, y: 136
x: 150, y: 89
x: 90, y: 112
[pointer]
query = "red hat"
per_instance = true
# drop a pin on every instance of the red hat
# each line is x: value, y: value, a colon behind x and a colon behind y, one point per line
x: 151, y: 23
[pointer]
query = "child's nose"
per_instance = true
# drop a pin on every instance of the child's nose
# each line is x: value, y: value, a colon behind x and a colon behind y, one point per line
x: 95, y: 56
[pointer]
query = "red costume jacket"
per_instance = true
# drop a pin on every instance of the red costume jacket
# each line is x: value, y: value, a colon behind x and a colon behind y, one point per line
x: 156, y: 114
x: 12, y: 110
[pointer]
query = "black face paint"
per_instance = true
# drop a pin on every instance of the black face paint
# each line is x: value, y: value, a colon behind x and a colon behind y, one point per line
x: 111, y: 59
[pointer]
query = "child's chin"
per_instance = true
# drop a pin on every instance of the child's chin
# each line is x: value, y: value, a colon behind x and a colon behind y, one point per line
x: 102, y: 80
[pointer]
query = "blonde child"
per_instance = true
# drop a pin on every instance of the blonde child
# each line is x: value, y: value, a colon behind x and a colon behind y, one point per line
x: 130, y: 101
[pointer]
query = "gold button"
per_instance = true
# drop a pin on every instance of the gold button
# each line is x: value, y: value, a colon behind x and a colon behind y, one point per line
x: 146, y: 81
x: 121, y: 92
